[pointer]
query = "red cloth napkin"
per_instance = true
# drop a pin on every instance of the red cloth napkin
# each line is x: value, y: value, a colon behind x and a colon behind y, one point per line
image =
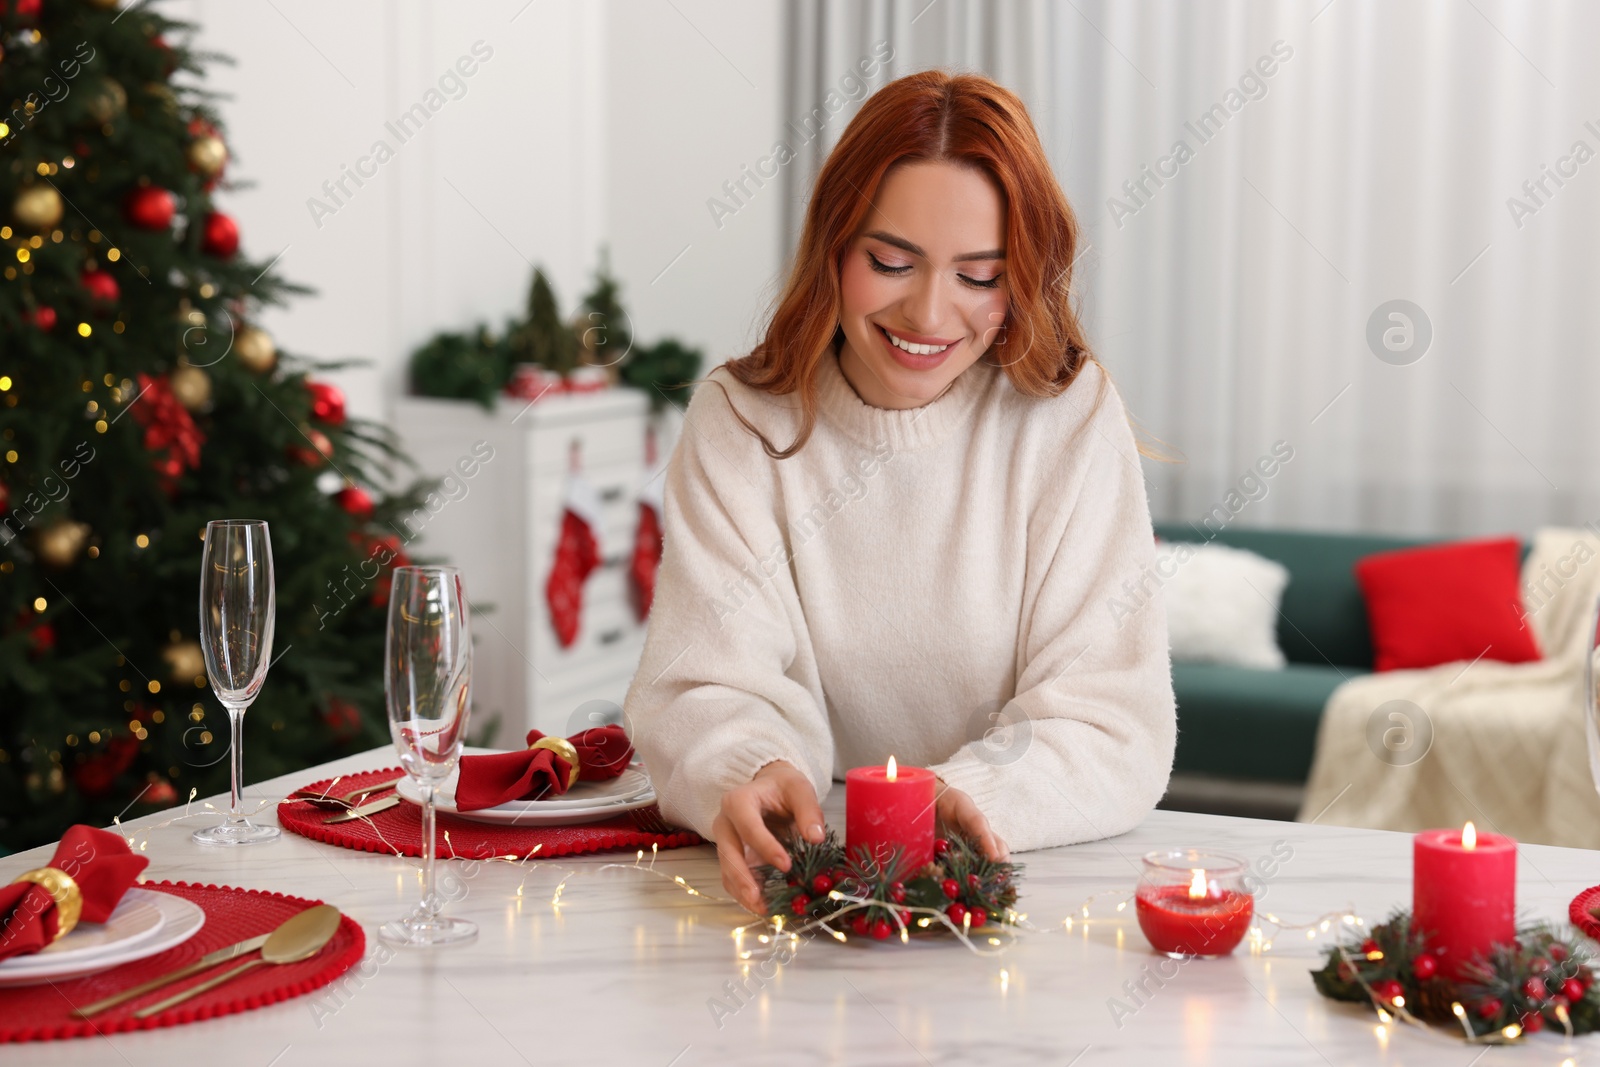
x: 102, y: 865
x: 485, y: 781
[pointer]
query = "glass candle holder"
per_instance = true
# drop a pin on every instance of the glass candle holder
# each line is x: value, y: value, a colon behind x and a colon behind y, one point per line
x: 1193, y: 903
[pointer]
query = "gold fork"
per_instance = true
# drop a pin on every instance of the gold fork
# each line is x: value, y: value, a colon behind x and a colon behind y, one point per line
x: 344, y: 800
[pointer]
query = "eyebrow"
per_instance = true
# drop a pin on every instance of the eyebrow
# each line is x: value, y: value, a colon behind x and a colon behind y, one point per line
x: 902, y: 243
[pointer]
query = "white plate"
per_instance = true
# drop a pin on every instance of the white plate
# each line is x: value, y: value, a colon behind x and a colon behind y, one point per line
x: 180, y: 920
x: 584, y: 802
x: 135, y: 918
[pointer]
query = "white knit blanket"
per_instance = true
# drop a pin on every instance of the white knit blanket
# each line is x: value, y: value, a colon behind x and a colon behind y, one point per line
x: 1508, y: 748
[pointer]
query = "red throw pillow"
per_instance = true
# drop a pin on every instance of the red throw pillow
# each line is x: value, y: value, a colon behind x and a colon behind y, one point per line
x: 1444, y: 603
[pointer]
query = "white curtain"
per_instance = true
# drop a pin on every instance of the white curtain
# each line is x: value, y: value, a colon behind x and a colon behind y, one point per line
x: 1441, y: 153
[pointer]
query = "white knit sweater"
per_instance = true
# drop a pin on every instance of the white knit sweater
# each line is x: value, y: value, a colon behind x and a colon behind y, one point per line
x: 906, y: 583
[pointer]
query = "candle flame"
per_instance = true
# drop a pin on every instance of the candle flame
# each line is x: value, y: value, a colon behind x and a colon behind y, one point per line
x: 1469, y: 836
x: 1197, y: 884
x: 889, y: 774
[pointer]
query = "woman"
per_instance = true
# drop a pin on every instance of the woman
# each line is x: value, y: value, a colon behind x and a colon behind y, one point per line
x: 912, y: 521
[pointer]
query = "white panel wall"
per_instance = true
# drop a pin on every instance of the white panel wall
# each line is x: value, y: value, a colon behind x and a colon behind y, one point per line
x: 590, y: 123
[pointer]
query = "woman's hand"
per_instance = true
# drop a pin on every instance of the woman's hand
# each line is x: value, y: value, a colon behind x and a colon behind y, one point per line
x: 958, y: 811
x: 780, y: 794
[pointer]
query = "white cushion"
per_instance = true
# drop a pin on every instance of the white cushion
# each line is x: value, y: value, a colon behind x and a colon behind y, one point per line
x: 1222, y: 604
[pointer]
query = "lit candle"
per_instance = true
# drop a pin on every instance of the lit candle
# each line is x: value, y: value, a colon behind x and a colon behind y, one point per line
x: 890, y: 807
x: 1190, y: 910
x: 1463, y: 893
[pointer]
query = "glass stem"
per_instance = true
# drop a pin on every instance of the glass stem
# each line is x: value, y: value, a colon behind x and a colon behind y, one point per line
x: 236, y: 759
x: 430, y: 901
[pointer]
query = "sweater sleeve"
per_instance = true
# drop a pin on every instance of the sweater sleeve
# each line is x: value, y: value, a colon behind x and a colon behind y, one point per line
x: 720, y: 688
x: 1084, y: 749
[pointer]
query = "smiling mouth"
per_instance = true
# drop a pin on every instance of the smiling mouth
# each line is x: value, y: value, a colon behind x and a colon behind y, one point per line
x: 912, y: 347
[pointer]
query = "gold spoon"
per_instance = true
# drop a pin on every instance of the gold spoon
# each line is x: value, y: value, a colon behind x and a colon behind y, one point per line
x: 299, y: 938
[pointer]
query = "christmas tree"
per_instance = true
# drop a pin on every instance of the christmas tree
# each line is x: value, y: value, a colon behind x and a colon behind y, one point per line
x: 543, y: 338
x: 138, y: 400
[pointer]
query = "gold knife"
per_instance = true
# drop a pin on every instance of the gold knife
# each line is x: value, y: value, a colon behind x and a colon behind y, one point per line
x: 211, y: 959
x: 365, y: 810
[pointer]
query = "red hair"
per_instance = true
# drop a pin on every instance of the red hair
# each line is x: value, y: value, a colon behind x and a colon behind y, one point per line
x: 931, y: 116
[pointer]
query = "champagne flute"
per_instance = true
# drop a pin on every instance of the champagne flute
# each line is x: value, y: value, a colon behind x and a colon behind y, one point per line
x: 238, y: 604
x: 427, y: 681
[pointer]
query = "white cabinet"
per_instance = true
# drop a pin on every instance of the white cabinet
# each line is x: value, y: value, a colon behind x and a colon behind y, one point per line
x: 501, y: 526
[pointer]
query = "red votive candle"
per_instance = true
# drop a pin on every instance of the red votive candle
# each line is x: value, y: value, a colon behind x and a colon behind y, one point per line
x: 1192, y: 903
x: 890, y: 807
x: 1463, y: 893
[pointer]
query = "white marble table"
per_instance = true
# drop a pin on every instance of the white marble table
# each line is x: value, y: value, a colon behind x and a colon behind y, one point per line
x: 622, y: 970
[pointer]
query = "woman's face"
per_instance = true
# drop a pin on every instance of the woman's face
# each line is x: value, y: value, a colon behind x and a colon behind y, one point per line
x: 926, y: 270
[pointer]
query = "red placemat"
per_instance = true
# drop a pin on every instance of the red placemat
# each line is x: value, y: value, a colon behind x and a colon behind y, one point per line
x: 40, y: 1012
x: 399, y: 830
x: 1582, y: 914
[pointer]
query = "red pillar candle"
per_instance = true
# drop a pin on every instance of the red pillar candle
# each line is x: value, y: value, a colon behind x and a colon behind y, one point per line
x: 1464, y: 893
x: 890, y: 807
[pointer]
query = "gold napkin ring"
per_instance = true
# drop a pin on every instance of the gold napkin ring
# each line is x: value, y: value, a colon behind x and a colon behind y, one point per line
x: 563, y: 748
x: 61, y: 887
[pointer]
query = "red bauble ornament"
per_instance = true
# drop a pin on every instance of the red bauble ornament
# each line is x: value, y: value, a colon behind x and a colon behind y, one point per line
x: 821, y: 884
x: 327, y: 403
x: 1572, y: 989
x: 102, y: 287
x: 979, y: 916
x: 26, y: 9
x: 342, y: 718
x: 799, y: 904
x: 219, y: 235
x: 881, y: 930
x: 99, y: 772
x: 316, y: 449
x: 1425, y: 966
x: 161, y: 793
x: 150, y: 207
x: 44, y: 318
x: 956, y: 912
x: 354, y: 501
x: 951, y: 887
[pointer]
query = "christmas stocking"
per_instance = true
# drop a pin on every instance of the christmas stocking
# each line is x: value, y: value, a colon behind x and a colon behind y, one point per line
x: 577, y: 555
x: 647, y: 541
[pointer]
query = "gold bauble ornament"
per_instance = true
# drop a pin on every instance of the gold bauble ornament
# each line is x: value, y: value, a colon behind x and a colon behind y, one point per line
x: 185, y: 661
x: 38, y: 207
x: 192, y: 387
x: 60, y: 543
x: 255, y: 350
x: 107, y: 100
x: 208, y: 155
x: 163, y: 95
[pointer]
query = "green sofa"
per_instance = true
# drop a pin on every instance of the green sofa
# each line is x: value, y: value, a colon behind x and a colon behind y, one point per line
x: 1261, y: 725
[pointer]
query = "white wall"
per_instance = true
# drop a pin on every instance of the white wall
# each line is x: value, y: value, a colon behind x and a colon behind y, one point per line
x: 589, y: 123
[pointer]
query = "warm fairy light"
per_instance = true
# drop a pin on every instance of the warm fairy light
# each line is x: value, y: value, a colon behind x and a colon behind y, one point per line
x: 1469, y: 836
x: 1460, y: 1012
x: 1197, y: 884
x: 889, y: 772
x: 1512, y: 1032
x: 1398, y: 1001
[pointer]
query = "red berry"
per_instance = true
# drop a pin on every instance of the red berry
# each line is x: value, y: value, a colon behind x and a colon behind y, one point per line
x: 973, y: 881
x: 1388, y: 989
x: 1572, y: 989
x: 1489, y: 1008
x: 1534, y: 988
x: 1425, y: 966
x: 1532, y: 1022
x: 1346, y: 973
x: 979, y: 916
x: 859, y: 924
x: 821, y: 884
x: 897, y: 893
x: 1368, y: 947
x: 1558, y: 952
x: 951, y: 887
x: 1539, y: 965
x: 941, y: 846
x: 956, y: 912
x: 881, y: 930
x: 800, y: 903
x: 44, y: 318
x: 905, y: 917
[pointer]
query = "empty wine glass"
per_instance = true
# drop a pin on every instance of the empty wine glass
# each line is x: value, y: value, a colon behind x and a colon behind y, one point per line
x: 427, y: 680
x: 237, y: 607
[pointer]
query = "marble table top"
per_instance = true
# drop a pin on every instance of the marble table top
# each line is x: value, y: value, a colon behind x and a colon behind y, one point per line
x: 628, y: 967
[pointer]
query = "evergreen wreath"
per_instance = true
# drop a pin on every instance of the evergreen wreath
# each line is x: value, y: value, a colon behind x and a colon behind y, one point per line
x: 1544, y: 977
x: 961, y: 890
